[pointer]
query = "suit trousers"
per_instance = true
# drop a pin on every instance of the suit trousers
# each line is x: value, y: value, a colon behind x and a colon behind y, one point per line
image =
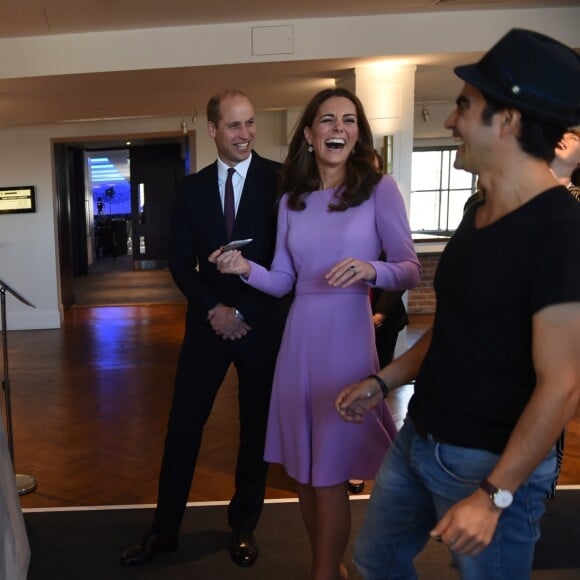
x: 203, y: 363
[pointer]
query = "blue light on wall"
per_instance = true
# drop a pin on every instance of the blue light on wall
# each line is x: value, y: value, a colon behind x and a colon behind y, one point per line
x: 111, y: 188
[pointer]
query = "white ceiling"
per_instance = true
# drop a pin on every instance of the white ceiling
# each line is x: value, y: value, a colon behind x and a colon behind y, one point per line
x: 162, y: 92
x: 38, y: 17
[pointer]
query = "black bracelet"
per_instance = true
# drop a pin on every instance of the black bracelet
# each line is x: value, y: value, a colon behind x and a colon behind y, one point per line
x: 382, y: 384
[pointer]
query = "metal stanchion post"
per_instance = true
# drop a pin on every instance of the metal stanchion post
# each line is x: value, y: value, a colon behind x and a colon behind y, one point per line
x: 24, y: 483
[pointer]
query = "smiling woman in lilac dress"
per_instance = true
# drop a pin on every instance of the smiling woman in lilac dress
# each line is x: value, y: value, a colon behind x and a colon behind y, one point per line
x: 336, y: 216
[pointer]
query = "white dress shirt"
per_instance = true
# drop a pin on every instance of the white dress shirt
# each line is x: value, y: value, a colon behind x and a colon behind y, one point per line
x: 238, y: 179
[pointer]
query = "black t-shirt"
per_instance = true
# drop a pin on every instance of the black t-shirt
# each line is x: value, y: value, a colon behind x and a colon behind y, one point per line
x: 478, y: 374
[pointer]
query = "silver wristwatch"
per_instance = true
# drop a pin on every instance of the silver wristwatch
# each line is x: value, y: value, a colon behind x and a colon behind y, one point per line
x: 238, y: 314
x: 501, y: 498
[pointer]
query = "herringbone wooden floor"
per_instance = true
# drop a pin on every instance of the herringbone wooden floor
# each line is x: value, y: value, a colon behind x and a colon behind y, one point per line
x: 90, y: 403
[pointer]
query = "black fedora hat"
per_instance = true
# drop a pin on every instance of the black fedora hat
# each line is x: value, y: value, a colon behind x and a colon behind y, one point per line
x: 532, y: 73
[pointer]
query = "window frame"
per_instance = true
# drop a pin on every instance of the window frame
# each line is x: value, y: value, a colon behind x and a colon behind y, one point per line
x: 445, y: 175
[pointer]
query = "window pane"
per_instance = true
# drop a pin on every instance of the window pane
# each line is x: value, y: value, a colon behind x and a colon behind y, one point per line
x: 424, y: 210
x: 426, y: 172
x: 446, y: 164
x: 460, y: 179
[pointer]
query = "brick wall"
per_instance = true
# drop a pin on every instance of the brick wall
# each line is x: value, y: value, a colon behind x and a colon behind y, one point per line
x: 421, y: 300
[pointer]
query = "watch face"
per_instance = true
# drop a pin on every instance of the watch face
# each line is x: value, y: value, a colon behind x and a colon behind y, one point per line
x: 502, y: 498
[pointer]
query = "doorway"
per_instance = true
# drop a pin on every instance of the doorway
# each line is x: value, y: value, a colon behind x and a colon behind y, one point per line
x: 156, y: 171
x: 114, y: 203
x: 108, y: 172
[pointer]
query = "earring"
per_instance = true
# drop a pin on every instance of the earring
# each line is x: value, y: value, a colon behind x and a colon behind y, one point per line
x: 310, y: 149
x: 353, y: 151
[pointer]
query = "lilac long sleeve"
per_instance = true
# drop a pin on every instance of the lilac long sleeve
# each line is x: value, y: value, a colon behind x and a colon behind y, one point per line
x: 306, y: 244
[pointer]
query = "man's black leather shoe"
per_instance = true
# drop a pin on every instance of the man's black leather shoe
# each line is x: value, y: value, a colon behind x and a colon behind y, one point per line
x: 150, y: 545
x: 243, y: 549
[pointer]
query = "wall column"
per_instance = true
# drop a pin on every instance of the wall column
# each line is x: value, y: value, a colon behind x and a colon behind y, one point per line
x: 387, y: 92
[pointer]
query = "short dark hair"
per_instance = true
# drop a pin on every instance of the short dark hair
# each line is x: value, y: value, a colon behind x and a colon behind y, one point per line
x: 536, y: 138
x: 300, y: 173
x: 539, y: 139
x: 215, y: 102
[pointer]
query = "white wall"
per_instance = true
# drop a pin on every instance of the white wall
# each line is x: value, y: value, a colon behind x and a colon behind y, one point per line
x: 27, y: 241
x: 377, y: 35
x: 28, y: 244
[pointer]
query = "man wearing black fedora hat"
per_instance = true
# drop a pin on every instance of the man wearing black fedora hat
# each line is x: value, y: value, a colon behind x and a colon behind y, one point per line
x: 498, y: 375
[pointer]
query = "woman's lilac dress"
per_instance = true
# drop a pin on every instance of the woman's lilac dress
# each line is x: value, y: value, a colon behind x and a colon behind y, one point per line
x: 328, y: 340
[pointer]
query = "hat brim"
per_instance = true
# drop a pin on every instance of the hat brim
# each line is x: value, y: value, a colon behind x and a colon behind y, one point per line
x: 472, y: 74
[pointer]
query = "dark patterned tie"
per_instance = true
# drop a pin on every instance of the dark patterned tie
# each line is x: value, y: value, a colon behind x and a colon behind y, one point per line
x: 229, y: 205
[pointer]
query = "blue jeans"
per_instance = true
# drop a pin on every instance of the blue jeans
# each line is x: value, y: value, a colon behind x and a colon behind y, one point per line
x: 419, y: 480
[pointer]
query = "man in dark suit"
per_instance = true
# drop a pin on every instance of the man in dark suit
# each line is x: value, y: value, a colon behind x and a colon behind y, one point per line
x: 227, y: 322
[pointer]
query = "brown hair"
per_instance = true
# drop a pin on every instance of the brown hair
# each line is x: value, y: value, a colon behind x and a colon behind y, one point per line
x: 300, y: 173
x: 536, y: 138
x: 215, y: 102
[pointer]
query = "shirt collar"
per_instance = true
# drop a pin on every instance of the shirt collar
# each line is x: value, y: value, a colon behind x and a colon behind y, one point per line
x: 241, y: 168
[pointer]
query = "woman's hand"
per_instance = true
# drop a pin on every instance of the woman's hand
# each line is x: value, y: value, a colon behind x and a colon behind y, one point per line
x: 348, y: 271
x: 230, y: 262
x: 354, y: 401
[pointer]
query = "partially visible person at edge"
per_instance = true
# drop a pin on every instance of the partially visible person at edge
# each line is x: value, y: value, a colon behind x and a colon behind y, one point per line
x: 335, y: 217
x: 566, y: 164
x: 575, y: 179
x: 498, y: 375
x: 389, y: 312
x: 389, y: 318
x: 227, y: 322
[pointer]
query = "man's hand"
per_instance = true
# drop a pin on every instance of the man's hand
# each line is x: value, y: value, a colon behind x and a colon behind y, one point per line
x: 354, y: 401
x: 378, y: 319
x: 468, y: 526
x: 225, y: 324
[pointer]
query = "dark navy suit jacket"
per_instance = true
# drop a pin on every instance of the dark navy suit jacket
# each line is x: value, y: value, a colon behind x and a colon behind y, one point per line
x: 198, y: 228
